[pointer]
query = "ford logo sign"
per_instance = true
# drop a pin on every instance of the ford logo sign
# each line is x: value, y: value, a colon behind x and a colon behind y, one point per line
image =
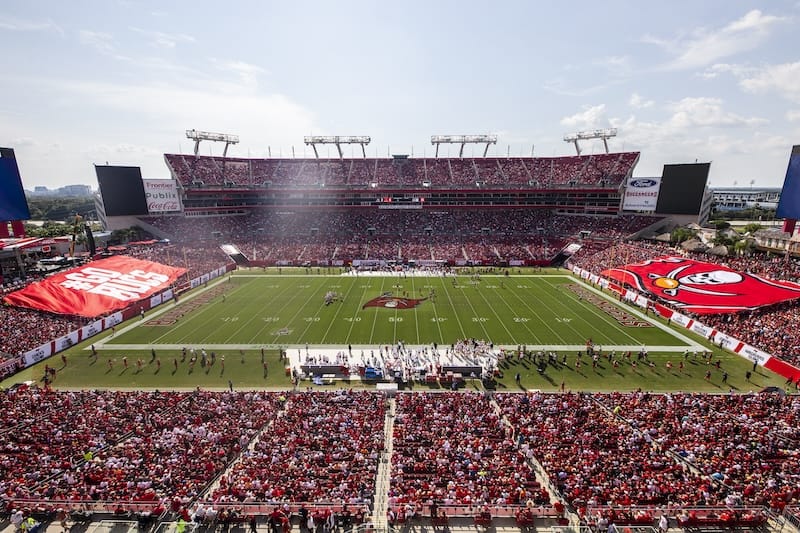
x: 643, y: 182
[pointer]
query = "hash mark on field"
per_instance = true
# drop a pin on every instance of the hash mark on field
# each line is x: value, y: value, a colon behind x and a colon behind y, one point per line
x: 375, y: 319
x: 458, y: 319
x: 339, y: 310
x: 301, y: 308
x: 601, y: 335
x: 500, y: 320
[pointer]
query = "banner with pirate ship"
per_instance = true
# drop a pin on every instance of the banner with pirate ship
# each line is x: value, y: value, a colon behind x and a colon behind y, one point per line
x: 702, y: 288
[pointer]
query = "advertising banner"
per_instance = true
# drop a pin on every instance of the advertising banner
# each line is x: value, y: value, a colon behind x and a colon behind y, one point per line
x: 162, y: 196
x: 641, y: 194
x: 37, y: 354
x: 91, y: 330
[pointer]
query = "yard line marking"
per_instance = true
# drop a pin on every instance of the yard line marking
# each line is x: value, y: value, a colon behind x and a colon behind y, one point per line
x: 375, y: 317
x: 502, y: 322
x: 655, y: 322
x: 416, y: 315
x: 336, y: 315
x: 537, y: 315
x: 601, y: 337
x: 254, y: 316
x: 475, y: 315
x: 453, y: 307
x: 300, y: 310
x: 513, y: 310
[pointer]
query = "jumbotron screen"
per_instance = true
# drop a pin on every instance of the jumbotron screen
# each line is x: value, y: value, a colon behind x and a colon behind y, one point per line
x: 122, y: 190
x: 13, y: 205
x: 682, y: 188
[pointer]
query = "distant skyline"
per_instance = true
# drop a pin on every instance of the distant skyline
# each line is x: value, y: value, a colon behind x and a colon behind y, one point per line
x: 119, y: 81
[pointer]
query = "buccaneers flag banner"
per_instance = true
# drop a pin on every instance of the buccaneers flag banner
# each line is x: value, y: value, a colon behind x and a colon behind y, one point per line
x: 97, y: 288
x: 703, y: 288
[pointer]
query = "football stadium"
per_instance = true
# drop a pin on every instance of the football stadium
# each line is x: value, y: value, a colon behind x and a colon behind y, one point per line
x: 395, y: 343
x: 497, y: 328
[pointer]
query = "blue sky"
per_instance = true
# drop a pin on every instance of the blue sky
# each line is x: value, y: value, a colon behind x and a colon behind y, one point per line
x: 120, y: 81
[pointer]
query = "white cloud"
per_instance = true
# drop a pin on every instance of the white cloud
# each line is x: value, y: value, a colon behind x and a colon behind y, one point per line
x: 590, y: 117
x: 705, y: 46
x: 637, y: 102
x: 217, y: 105
x: 165, y: 40
x: 616, y: 65
x: 246, y: 72
x: 783, y: 79
x: 793, y: 115
x: 100, y: 41
x: 706, y: 113
x: 15, y: 24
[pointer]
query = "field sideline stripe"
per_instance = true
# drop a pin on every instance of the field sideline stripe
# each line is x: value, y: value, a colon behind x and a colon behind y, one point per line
x: 641, y: 315
x: 609, y: 321
x: 338, y: 347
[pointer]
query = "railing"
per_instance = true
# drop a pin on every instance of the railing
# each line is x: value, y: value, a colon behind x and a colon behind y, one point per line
x: 792, y: 516
x: 590, y: 529
x: 88, y: 506
x: 686, y: 516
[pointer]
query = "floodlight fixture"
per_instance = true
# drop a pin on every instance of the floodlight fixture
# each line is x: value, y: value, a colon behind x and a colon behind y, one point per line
x: 604, y: 134
x: 436, y: 140
x: 198, y: 136
x: 338, y: 140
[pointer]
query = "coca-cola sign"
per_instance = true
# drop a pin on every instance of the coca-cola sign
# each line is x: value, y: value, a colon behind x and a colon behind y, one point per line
x: 162, y: 196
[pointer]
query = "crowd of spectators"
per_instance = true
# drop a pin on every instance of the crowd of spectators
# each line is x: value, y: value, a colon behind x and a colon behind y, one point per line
x: 323, y: 448
x: 452, y: 448
x: 47, y: 437
x: 598, y: 170
x: 25, y: 329
x: 594, y: 459
x: 746, y: 444
x: 323, y: 236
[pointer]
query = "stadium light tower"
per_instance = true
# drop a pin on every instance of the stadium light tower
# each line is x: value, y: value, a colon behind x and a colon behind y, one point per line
x: 591, y: 134
x: 436, y: 140
x: 198, y: 136
x: 338, y: 140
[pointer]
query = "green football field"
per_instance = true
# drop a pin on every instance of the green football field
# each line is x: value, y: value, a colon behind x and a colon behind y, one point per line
x: 250, y: 313
x: 274, y: 310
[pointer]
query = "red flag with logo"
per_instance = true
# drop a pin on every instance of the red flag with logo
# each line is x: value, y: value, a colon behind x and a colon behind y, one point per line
x: 703, y: 288
x: 97, y: 288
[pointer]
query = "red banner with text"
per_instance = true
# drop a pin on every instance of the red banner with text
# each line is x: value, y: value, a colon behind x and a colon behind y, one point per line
x: 703, y: 288
x: 97, y: 288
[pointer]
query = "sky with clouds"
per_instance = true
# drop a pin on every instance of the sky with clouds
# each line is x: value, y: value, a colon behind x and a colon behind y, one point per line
x: 120, y: 81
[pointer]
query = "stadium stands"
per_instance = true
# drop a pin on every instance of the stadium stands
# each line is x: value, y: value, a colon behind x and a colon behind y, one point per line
x: 600, y: 170
x: 459, y: 450
x: 323, y: 449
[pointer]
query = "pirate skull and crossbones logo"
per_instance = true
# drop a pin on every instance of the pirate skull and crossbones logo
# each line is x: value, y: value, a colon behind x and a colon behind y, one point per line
x: 673, y: 282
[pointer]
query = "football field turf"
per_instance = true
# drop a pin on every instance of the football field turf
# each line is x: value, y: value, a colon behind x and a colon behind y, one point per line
x: 275, y: 310
x: 250, y: 313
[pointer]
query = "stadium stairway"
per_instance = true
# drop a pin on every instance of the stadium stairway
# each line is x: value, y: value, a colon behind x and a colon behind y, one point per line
x: 214, y: 485
x: 538, y: 470
x: 380, y: 506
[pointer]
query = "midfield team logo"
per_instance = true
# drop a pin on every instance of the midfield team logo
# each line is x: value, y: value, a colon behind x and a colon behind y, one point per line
x: 393, y: 302
x: 703, y: 288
